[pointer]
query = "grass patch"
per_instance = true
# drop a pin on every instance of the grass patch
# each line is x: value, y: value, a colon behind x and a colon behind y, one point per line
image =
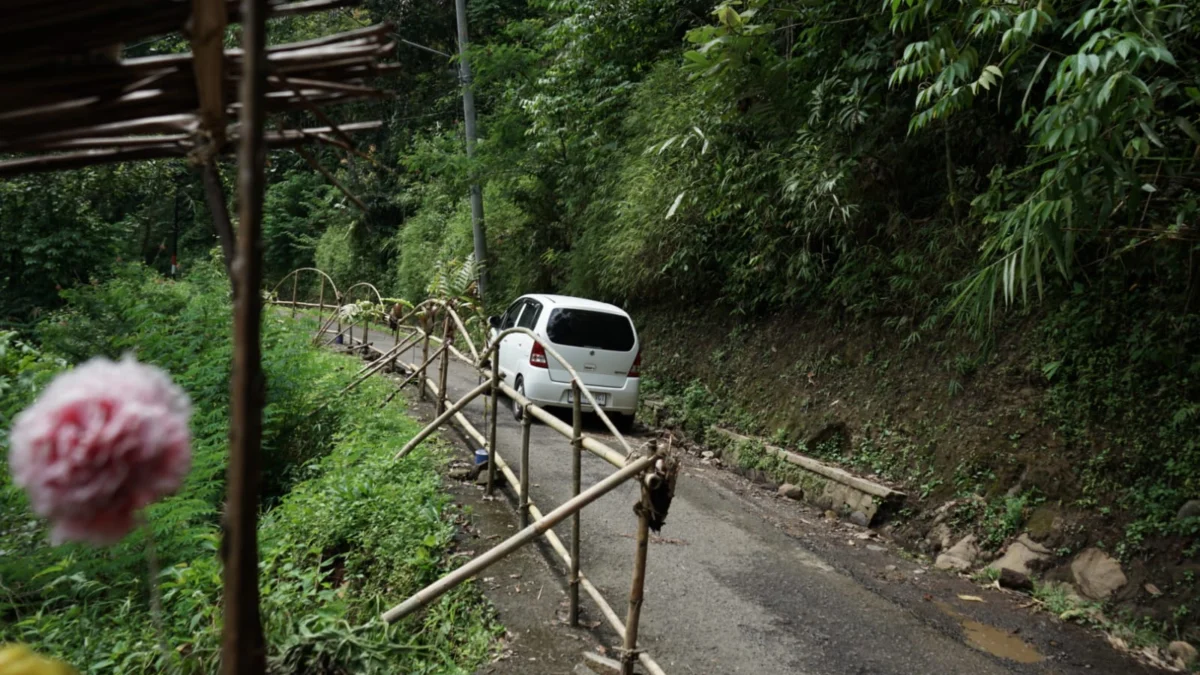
x: 345, y: 531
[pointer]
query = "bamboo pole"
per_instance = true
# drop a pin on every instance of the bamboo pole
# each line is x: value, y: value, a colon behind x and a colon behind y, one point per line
x: 441, y: 419
x: 590, y: 444
x: 495, y: 381
x: 321, y: 302
x: 416, y: 373
x: 636, y: 588
x: 371, y: 369
x: 441, y: 586
x: 366, y: 326
x: 395, y: 350
x: 424, y: 355
x: 523, y: 497
x: 295, y: 287
x: 445, y: 367
x: 576, y: 479
x: 242, y: 648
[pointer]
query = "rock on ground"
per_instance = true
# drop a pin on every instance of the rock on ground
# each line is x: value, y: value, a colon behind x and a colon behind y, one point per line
x: 1189, y: 510
x: 1183, y: 653
x: 939, y: 537
x: 791, y: 491
x: 1015, y: 580
x: 1020, y: 554
x: 1097, y: 574
x: 961, y: 557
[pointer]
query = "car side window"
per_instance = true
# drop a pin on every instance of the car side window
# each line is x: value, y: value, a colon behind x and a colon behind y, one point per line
x: 529, y: 317
x: 510, y: 317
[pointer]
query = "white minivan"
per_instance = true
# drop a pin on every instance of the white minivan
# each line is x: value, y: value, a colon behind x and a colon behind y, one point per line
x: 597, y: 339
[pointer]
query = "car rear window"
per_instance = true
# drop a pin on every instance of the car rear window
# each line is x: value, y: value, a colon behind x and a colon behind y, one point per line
x: 590, y: 329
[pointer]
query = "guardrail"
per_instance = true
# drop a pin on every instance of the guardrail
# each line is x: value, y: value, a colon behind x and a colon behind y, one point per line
x: 653, y: 467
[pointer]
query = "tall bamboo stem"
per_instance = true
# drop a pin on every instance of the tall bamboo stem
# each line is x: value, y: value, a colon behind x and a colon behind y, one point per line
x: 445, y: 367
x: 495, y: 401
x: 526, y: 424
x: 576, y: 479
x: 633, y: 617
x: 242, y: 647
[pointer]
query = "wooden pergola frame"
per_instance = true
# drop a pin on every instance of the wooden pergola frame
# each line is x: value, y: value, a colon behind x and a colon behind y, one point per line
x: 67, y: 100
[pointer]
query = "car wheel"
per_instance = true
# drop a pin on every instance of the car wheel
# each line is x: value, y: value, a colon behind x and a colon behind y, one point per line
x: 517, y: 410
x: 624, y: 423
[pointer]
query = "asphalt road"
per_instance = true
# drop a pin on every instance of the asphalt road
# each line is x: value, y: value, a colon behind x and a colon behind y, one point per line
x: 745, y: 582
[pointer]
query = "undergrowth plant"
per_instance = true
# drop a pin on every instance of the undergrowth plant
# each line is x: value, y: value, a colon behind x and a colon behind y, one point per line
x: 345, y: 529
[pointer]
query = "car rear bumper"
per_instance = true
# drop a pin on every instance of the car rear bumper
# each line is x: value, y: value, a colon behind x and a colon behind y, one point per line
x: 545, y: 392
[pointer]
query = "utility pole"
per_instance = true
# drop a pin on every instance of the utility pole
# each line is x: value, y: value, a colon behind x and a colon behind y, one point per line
x: 464, y: 70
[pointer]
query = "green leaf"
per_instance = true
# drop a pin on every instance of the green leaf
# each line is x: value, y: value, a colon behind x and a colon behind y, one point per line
x: 1188, y: 129
x: 675, y: 205
x: 1151, y: 135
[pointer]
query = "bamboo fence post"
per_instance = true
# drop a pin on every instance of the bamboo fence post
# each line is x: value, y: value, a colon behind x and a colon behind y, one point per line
x: 629, y: 653
x: 337, y: 310
x: 321, y: 302
x: 576, y: 479
x: 366, y: 326
x: 542, y: 526
x: 526, y: 425
x: 445, y: 366
x: 441, y: 419
x: 427, y: 324
x: 417, y: 372
x: 242, y: 642
x: 491, y: 479
x: 295, y: 285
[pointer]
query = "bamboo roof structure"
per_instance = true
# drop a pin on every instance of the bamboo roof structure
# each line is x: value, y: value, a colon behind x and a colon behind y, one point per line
x: 66, y: 102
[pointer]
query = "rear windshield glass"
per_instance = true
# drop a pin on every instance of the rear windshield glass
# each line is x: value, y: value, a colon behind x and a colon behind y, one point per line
x: 589, y: 329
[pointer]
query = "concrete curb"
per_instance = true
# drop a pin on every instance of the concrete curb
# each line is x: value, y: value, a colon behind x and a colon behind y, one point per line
x: 825, y: 486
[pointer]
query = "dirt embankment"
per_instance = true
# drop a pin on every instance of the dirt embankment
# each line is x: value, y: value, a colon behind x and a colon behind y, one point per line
x: 961, y: 430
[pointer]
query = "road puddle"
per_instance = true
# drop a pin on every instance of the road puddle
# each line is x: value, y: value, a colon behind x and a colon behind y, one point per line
x: 993, y: 640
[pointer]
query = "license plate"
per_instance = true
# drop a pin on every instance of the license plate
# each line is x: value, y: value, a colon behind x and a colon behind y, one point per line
x: 602, y: 399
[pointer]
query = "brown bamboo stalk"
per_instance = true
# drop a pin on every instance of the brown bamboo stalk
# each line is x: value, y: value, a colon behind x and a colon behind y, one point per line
x: 295, y: 287
x: 242, y: 648
x: 428, y: 324
x: 495, y: 381
x: 387, y: 355
x: 321, y: 301
x: 576, y: 479
x: 415, y: 374
x: 208, y: 23
x: 515, y: 542
x: 445, y: 366
x: 637, y: 587
x: 442, y: 418
x: 214, y: 195
x: 523, y: 497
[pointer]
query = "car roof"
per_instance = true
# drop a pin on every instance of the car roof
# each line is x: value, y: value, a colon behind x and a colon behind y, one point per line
x: 575, y: 303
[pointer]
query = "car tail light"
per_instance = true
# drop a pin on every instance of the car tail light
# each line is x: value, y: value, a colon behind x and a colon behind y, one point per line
x: 537, y: 357
x: 636, y: 369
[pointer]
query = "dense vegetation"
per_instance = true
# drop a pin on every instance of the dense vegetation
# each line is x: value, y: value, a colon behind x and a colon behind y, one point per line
x: 1001, y: 196
x: 346, y: 529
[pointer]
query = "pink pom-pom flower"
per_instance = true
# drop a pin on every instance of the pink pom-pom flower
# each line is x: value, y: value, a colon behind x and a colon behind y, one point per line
x: 102, y: 442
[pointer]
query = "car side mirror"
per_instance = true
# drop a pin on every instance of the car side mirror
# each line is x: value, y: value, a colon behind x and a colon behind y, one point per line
x: 494, y: 322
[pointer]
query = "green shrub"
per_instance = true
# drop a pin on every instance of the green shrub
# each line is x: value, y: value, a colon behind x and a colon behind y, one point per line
x: 345, y: 531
